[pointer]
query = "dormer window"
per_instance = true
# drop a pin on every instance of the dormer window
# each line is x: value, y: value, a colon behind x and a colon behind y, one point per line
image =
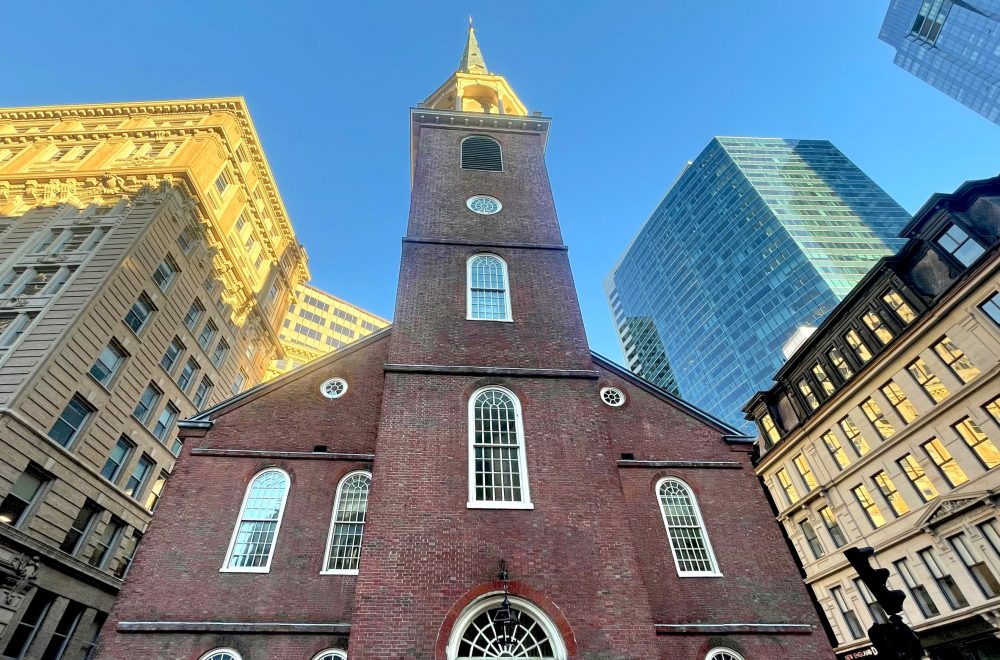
x: 960, y: 245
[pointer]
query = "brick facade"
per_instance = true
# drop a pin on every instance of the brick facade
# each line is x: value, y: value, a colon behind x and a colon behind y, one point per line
x: 592, y: 554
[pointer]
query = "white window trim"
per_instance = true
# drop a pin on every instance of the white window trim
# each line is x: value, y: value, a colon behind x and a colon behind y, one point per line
x: 491, y: 600
x: 701, y: 523
x: 337, y: 653
x: 236, y: 528
x: 473, y: 503
x: 723, y: 649
x: 329, y: 535
x: 506, y: 288
x: 230, y: 651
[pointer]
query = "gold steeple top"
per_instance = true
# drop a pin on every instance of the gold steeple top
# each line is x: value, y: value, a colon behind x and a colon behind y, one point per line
x: 472, y: 88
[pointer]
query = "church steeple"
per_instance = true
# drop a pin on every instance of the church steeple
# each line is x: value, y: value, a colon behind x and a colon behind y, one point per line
x: 472, y: 88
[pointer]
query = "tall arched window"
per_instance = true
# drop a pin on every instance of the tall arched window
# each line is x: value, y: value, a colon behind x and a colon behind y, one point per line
x: 252, y: 545
x: 689, y: 542
x: 343, y: 547
x: 498, y: 471
x: 487, y: 289
x: 221, y: 654
x: 481, y: 153
x: 476, y: 637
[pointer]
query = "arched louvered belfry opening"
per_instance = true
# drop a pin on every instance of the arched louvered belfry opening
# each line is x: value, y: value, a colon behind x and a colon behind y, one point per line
x: 480, y: 152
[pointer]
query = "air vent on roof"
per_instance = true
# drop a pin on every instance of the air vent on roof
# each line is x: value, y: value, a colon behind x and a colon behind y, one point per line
x: 481, y: 153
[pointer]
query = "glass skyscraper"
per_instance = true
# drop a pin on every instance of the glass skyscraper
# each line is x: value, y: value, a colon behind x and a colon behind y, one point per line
x: 757, y: 237
x: 953, y: 45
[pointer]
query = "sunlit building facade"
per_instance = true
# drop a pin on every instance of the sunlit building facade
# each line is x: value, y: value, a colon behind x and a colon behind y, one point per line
x: 952, y: 45
x: 318, y: 323
x: 757, y: 237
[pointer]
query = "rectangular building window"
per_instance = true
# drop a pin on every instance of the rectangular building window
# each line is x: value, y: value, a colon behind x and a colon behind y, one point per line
x: 858, y: 345
x: 240, y: 381
x: 833, y: 526
x: 980, y: 572
x: 165, y: 273
x: 888, y: 489
x: 839, y: 363
x: 150, y: 397
x: 960, y: 245
x: 154, y: 493
x: 59, y: 642
x: 991, y: 532
x: 808, y: 394
x: 824, y: 381
x: 108, y: 362
x: 140, y: 474
x: 184, y: 242
x: 106, y: 545
x: 921, y: 482
x: 877, y: 418
x: 978, y: 442
x: 40, y: 280
x: 220, y: 353
x: 785, y: 480
x: 956, y: 360
x: 85, y: 519
x: 140, y: 313
x: 993, y: 408
x: 73, y: 417
x: 991, y: 307
x: 27, y: 627
x: 23, y: 495
x: 877, y: 326
x: 930, y: 19
x: 949, y: 589
x: 948, y: 466
x: 207, y: 334
x: 902, y: 309
x: 874, y: 609
x: 918, y: 592
x: 868, y: 505
x: 119, y: 455
x: 202, y: 393
x: 188, y: 374
x: 336, y: 343
x: 811, y: 539
x: 340, y: 329
x: 194, y: 314
x: 370, y: 327
x: 128, y: 554
x: 347, y: 316
x: 899, y: 402
x: 855, y: 437
x: 166, y: 421
x: 771, y: 434
x: 836, y: 449
x: 171, y: 355
x: 222, y: 182
x: 308, y: 332
x: 850, y: 618
x: 808, y: 479
x: 930, y: 383
x: 241, y: 223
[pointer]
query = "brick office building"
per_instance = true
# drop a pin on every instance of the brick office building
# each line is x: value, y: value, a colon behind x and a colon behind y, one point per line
x: 364, y: 502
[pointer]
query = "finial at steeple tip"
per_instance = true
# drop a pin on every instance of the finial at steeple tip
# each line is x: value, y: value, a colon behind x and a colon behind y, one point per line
x: 470, y: 21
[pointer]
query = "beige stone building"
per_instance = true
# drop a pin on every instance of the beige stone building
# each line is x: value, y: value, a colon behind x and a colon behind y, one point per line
x: 883, y: 429
x: 318, y: 323
x: 146, y: 265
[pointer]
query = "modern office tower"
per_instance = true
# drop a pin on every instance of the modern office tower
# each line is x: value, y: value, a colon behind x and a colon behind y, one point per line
x: 952, y: 45
x: 146, y: 264
x: 757, y: 237
x: 318, y: 323
x: 883, y: 430
x: 472, y: 483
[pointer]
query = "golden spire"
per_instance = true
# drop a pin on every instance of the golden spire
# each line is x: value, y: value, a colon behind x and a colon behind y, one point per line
x: 472, y: 58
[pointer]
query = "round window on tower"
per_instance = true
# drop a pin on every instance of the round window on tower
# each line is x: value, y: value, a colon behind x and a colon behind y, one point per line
x: 484, y: 204
x: 333, y: 388
x: 612, y: 396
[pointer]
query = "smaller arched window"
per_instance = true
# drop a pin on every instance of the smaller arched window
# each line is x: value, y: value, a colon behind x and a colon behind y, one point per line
x: 330, y: 654
x: 498, y: 471
x: 481, y: 153
x: 252, y: 545
x: 689, y: 542
x: 722, y: 653
x: 222, y: 654
x: 487, y: 289
x: 343, y: 547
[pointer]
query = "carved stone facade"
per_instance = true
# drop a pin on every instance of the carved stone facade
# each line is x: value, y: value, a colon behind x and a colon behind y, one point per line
x: 883, y: 429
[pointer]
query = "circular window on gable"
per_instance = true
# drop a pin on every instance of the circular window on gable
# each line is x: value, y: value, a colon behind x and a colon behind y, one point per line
x: 333, y: 388
x: 484, y: 204
x: 612, y: 396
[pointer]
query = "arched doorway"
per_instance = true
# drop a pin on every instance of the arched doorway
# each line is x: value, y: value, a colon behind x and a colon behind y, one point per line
x: 475, y: 637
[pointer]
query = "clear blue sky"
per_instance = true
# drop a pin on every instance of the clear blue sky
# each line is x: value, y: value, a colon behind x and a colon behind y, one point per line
x: 635, y: 90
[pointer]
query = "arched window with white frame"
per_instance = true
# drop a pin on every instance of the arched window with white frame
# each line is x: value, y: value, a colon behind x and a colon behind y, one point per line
x: 343, y: 546
x: 488, y: 289
x: 477, y: 636
x: 686, y: 531
x: 330, y: 654
x: 252, y: 545
x: 221, y: 654
x: 723, y: 653
x: 498, y: 471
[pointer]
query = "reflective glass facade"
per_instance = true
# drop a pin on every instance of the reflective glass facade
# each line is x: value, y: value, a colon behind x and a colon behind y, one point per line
x: 757, y: 237
x: 953, y: 45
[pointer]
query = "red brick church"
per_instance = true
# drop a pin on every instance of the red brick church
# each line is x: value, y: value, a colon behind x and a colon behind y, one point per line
x: 472, y: 482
